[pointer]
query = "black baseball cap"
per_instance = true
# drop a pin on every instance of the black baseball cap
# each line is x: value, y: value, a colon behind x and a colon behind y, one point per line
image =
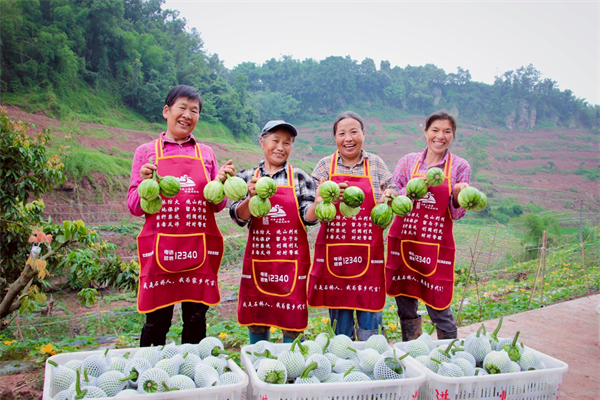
x: 271, y: 125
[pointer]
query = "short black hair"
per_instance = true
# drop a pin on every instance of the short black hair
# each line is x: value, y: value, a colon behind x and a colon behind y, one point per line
x: 182, y: 91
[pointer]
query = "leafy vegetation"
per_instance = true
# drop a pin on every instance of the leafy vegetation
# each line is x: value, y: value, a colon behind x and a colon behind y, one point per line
x: 33, y: 249
x: 94, y: 59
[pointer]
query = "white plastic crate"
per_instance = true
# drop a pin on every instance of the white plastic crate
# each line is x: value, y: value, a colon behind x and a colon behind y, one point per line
x: 526, y: 385
x: 396, y: 389
x: 225, y: 392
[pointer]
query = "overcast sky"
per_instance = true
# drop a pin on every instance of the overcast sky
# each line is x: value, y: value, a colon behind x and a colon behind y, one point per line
x: 560, y: 38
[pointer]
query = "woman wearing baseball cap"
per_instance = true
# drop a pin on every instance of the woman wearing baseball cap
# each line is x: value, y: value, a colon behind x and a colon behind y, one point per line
x: 277, y: 257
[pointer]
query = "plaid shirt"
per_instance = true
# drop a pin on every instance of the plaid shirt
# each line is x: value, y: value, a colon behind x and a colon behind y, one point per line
x: 305, y: 189
x: 461, y: 172
x: 380, y: 175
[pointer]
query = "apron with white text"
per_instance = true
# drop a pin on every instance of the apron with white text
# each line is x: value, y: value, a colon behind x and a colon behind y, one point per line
x: 348, y: 266
x: 180, y: 248
x: 276, y: 264
x: 421, y: 250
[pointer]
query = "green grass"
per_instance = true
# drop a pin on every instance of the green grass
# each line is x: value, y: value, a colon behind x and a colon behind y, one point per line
x: 391, y: 128
x: 306, y: 166
x: 98, y: 133
x: 322, y: 151
x: 82, y: 163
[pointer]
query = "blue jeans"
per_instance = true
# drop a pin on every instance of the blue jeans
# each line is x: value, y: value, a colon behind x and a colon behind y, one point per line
x: 368, y: 323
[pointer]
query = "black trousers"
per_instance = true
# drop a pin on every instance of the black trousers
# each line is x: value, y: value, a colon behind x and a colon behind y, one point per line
x: 158, y: 323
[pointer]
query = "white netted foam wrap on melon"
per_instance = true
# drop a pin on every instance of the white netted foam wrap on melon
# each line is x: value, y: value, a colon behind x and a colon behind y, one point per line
x: 62, y: 377
x: 207, y: 345
x: 110, y: 382
x: 151, y: 381
x: 271, y: 371
x: 293, y: 361
x: 149, y: 354
x: 450, y: 370
x: 367, y: 359
x: 205, y: 376
x: 189, y: 365
x: 323, y: 369
x: 229, y: 378
x: 182, y: 382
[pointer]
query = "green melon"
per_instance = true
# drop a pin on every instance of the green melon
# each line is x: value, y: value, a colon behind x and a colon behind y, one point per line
x: 329, y: 191
x: 353, y: 196
x: 259, y: 207
x: 325, y: 211
x: 469, y: 198
x: 235, y: 188
x: 483, y: 201
x: 169, y: 186
x: 435, y: 176
x: 402, y: 206
x: 416, y: 188
x: 382, y: 215
x: 152, y: 206
x: 266, y: 187
x: 148, y: 189
x: 213, y: 191
x: 347, y: 211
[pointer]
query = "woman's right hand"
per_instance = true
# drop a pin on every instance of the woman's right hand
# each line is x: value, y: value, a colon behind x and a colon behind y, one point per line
x: 147, y: 170
x: 252, y: 187
x: 319, y: 199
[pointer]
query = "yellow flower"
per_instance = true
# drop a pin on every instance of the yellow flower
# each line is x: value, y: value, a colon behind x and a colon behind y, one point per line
x: 48, y: 349
x: 273, y: 329
x: 522, y: 290
x: 222, y: 335
x: 324, y: 320
x: 392, y: 307
x: 545, y: 283
x: 9, y: 342
x: 392, y: 326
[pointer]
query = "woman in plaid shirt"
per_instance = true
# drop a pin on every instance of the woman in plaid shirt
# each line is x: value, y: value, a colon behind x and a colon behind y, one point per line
x: 348, y: 267
x: 277, y: 257
x: 421, y: 249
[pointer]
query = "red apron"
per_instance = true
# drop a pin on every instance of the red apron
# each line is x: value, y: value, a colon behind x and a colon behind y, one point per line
x: 348, y: 268
x: 180, y: 248
x: 421, y: 250
x: 276, y: 264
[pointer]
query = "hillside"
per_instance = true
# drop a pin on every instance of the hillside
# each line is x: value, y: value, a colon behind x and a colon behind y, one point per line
x: 534, y: 166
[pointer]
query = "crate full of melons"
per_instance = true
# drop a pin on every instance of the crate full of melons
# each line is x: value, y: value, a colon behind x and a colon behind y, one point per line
x: 484, y: 366
x: 188, y: 371
x: 330, y: 367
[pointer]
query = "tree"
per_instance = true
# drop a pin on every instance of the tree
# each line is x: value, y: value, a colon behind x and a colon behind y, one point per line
x: 30, y: 247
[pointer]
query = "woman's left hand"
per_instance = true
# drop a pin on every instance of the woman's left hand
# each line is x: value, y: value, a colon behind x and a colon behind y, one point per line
x: 225, y: 169
x: 387, y: 195
x: 457, y: 188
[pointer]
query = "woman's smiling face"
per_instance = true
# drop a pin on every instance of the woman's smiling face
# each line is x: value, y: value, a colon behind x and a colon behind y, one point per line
x: 277, y: 147
x: 182, y: 118
x: 349, y: 138
x: 439, y: 135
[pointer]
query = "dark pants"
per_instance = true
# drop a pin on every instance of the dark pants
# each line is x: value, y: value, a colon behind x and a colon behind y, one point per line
x: 443, y: 319
x: 158, y: 323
